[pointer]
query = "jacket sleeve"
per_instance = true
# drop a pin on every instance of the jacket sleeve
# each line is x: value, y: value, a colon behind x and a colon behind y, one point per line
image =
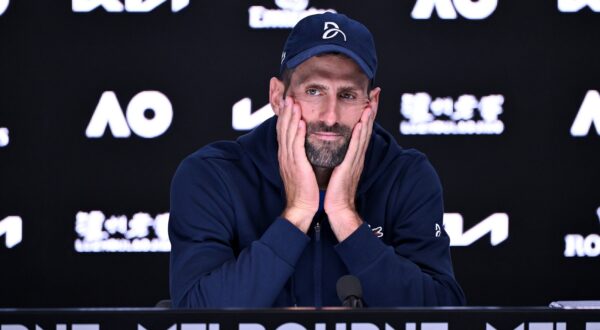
x: 206, y: 270
x: 416, y: 269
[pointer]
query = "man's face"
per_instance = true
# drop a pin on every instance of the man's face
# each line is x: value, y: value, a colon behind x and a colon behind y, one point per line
x: 332, y: 93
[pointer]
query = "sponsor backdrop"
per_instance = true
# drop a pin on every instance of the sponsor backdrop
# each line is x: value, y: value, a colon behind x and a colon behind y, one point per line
x: 101, y: 99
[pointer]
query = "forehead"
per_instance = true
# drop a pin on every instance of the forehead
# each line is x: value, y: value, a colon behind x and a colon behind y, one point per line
x: 330, y: 69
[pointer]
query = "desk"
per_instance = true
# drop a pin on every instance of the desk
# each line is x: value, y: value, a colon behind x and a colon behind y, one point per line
x: 461, y: 318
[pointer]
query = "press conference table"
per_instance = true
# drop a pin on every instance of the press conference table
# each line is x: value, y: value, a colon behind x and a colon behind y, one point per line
x: 461, y: 318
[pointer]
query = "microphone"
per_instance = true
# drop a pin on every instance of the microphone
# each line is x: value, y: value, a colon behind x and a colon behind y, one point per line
x: 349, y: 291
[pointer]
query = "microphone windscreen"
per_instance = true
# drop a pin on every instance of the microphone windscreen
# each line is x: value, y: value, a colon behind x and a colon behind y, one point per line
x: 348, y: 285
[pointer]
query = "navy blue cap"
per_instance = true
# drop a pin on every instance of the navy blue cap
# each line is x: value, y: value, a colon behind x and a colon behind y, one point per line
x: 330, y: 32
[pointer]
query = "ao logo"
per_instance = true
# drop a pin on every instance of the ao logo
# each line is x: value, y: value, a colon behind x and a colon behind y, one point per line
x: 109, y: 113
x: 4, y: 138
x: 496, y: 225
x: 446, y: 9
x: 132, y: 6
x: 12, y: 227
x: 242, y: 118
x: 3, y: 6
x: 588, y: 115
x: 571, y: 6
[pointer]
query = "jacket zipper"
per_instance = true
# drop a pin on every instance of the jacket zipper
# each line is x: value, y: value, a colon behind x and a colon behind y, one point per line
x: 317, y: 269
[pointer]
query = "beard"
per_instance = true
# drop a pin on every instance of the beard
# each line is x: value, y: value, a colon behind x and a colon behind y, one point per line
x: 328, y: 154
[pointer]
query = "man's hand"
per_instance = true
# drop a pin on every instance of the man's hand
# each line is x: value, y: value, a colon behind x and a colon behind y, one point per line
x: 301, y: 189
x: 341, y: 190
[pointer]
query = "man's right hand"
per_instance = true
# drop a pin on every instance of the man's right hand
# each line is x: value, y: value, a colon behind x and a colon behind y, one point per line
x: 301, y: 189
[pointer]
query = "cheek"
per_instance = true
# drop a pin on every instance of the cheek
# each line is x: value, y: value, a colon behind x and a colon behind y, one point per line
x: 308, y: 113
x: 351, y: 118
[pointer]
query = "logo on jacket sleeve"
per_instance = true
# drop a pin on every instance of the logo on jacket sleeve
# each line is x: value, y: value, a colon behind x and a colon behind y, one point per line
x: 377, y: 231
x: 438, y: 230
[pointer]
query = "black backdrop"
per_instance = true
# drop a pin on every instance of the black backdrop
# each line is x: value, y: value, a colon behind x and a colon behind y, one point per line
x: 56, y: 63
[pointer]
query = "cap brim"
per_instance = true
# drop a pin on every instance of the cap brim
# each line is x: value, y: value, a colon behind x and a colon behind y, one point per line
x: 320, y: 49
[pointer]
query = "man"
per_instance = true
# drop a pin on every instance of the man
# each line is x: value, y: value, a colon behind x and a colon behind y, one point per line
x: 317, y: 192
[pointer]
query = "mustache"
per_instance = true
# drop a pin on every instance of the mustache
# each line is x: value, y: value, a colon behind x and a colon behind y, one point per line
x: 320, y: 126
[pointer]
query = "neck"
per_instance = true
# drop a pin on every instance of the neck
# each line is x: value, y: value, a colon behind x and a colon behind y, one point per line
x: 323, y: 175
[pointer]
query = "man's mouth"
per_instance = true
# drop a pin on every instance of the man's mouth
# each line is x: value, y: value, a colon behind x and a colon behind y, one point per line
x: 327, y: 136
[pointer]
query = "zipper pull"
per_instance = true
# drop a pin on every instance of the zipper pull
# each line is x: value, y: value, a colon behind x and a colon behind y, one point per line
x: 318, y: 231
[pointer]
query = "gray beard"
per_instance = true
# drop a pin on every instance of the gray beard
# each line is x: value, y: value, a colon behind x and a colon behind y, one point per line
x: 327, y: 154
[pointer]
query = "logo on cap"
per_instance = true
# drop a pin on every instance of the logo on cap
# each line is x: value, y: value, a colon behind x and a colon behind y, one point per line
x: 333, y: 31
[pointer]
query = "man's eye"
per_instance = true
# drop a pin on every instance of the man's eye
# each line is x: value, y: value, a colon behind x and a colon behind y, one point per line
x: 348, y: 97
x: 313, y: 92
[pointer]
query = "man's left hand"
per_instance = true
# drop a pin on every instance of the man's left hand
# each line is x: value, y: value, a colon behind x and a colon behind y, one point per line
x: 341, y: 191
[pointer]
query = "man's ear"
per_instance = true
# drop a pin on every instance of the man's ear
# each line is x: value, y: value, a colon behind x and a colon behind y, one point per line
x: 276, y: 90
x: 374, y: 99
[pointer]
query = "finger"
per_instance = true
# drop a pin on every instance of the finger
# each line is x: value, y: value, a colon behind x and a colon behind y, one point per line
x: 287, y: 113
x: 368, y: 129
x: 363, y: 137
x: 283, y: 123
x: 281, y: 106
x: 293, y: 127
x: 349, y: 159
x: 372, y: 113
x: 299, y: 150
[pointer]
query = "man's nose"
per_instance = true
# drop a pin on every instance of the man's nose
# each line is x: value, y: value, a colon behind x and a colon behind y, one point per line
x: 329, y: 111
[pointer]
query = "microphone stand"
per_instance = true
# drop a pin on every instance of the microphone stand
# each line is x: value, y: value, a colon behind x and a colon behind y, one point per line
x: 353, y: 302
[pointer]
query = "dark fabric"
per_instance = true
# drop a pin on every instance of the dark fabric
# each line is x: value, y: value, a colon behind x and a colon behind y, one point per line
x: 231, y: 248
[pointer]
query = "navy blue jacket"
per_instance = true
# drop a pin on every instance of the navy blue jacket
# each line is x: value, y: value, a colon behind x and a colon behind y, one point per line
x: 231, y: 247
